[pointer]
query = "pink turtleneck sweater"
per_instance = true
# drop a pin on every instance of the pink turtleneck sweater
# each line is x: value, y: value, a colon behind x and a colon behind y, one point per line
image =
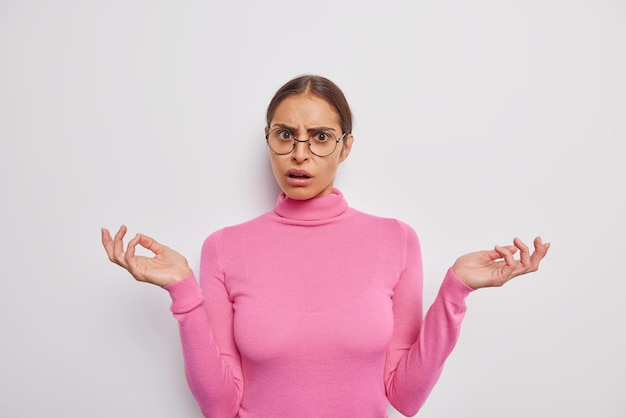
x: 314, y: 310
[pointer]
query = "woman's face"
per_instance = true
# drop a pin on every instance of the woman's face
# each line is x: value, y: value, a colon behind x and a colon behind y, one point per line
x: 302, y: 174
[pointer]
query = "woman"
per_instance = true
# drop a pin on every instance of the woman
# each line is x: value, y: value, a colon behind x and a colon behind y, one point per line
x: 314, y: 309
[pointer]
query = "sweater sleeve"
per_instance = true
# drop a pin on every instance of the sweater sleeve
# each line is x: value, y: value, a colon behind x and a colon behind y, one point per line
x: 205, y: 317
x: 420, y: 345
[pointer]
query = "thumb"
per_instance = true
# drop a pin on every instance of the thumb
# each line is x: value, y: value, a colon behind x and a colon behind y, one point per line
x: 150, y: 243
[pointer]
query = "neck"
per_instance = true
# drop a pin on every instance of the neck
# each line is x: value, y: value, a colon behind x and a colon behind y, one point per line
x: 322, y: 209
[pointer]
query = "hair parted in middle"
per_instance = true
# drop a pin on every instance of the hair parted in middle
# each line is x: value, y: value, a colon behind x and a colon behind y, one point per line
x: 318, y: 86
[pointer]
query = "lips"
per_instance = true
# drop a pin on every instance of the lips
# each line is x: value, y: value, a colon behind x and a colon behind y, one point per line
x: 298, y: 174
x: 299, y: 178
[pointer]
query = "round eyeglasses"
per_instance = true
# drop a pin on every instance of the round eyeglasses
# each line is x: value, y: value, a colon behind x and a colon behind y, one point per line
x: 321, y: 143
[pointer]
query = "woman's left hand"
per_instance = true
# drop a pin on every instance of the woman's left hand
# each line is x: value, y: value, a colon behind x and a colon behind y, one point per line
x: 498, y: 266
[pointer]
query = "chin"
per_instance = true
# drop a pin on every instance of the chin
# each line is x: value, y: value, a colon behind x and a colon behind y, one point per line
x: 299, y: 194
x: 303, y: 193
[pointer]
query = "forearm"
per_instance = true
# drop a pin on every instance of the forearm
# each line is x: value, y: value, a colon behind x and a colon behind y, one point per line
x: 210, y: 377
x: 419, y: 367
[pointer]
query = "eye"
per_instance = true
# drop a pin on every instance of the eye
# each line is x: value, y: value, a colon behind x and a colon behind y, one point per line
x: 321, y: 137
x: 284, y: 134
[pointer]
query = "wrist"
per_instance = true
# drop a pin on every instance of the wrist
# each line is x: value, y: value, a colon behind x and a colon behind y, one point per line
x: 175, y: 276
x: 182, y: 274
x: 462, y: 275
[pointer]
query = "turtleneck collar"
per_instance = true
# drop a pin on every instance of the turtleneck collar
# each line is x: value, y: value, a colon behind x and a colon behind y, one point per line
x: 318, y: 210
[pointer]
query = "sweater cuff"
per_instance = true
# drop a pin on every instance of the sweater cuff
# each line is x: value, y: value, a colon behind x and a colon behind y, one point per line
x: 186, y: 295
x: 453, y: 289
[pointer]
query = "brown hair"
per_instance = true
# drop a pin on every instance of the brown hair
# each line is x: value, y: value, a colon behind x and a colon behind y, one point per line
x: 319, y: 86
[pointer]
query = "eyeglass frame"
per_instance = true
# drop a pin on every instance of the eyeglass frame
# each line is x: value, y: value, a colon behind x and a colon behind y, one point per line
x: 295, y: 140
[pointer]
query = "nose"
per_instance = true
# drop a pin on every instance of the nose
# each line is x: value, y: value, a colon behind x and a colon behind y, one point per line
x: 301, y: 151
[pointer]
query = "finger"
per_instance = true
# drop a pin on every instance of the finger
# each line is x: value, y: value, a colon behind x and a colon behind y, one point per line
x: 540, y: 247
x: 130, y: 252
x: 506, y: 253
x: 120, y: 232
x: 524, y: 252
x: 495, y: 255
x: 150, y: 244
x: 541, y: 250
x: 118, y: 245
x: 512, y: 248
x: 146, y: 242
x: 107, y: 242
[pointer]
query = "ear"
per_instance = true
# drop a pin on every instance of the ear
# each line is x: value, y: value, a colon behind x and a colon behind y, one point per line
x: 348, y: 140
x: 267, y: 129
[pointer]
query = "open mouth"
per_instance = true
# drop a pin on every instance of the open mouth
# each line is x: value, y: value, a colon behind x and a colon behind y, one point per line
x: 298, y: 176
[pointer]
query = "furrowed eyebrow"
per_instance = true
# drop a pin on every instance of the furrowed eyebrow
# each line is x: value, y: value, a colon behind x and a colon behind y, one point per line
x: 310, y: 130
x: 320, y: 128
x: 283, y: 126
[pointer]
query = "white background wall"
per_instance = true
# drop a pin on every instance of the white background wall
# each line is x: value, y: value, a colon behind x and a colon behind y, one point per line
x: 474, y: 122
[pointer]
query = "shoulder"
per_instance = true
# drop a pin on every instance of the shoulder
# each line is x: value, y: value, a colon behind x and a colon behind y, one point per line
x: 383, y: 222
x: 236, y: 231
x: 386, y: 225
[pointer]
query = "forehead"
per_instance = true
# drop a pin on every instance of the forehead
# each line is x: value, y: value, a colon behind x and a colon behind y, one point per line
x: 305, y: 109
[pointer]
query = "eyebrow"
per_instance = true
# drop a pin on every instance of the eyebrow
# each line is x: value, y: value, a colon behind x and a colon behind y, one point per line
x: 309, y: 130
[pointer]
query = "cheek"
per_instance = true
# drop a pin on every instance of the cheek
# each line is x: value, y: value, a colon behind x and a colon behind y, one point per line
x: 330, y: 167
x: 275, y: 163
x: 335, y: 161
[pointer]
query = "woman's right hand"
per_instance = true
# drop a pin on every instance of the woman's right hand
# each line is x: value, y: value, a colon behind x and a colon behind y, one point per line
x: 166, y: 267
